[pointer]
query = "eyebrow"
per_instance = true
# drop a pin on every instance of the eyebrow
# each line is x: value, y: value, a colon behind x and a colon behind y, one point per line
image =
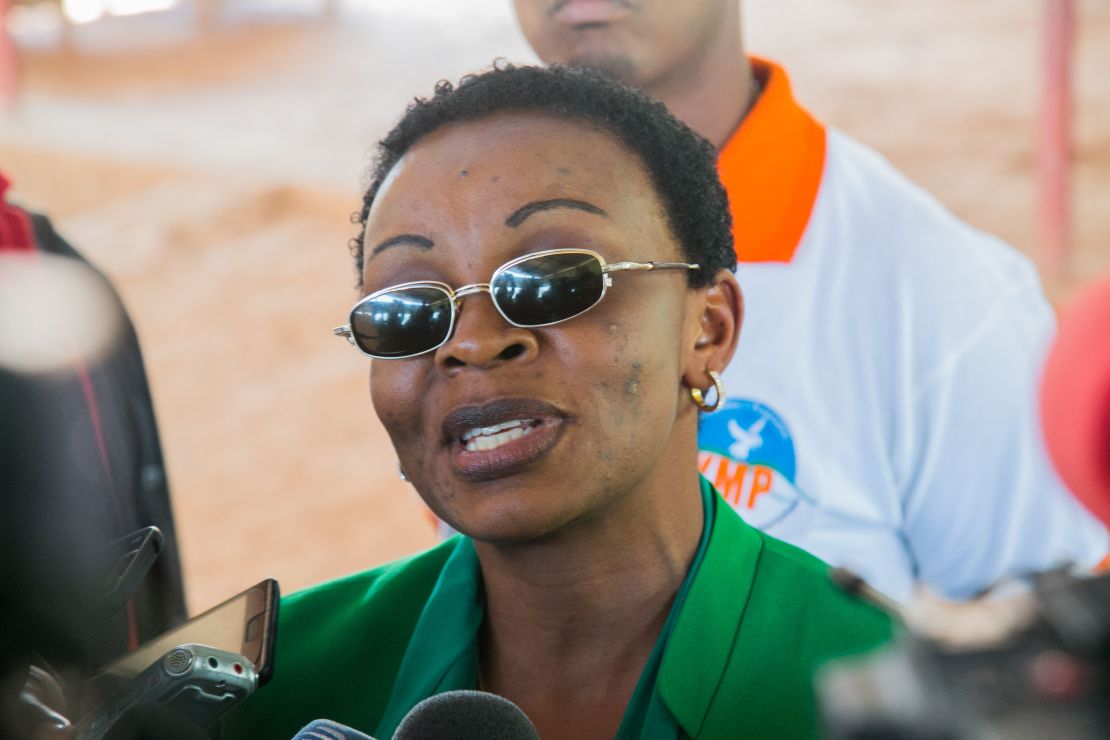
x: 404, y: 240
x: 517, y: 217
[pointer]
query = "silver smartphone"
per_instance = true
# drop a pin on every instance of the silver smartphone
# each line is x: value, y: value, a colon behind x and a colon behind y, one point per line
x: 198, y: 682
x: 203, y: 667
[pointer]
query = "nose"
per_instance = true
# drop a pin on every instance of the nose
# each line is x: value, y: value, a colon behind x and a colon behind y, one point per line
x: 483, y: 338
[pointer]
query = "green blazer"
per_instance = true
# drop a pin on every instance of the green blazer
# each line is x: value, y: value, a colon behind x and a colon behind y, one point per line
x: 754, y: 620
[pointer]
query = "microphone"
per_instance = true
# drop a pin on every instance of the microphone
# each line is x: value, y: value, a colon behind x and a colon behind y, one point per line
x: 1075, y: 398
x: 466, y: 715
x: 325, y: 729
x: 453, y: 715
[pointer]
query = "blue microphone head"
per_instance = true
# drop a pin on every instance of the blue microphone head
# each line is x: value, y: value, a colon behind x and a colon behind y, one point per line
x: 466, y: 715
x: 325, y: 729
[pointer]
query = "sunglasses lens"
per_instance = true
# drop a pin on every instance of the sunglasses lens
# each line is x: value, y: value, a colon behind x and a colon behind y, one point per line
x: 402, y: 322
x: 549, y: 288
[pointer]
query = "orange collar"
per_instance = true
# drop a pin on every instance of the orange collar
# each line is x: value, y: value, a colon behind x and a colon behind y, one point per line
x: 771, y: 167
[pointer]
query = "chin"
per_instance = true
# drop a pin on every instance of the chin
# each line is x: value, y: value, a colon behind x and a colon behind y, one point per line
x: 508, y: 523
x: 503, y: 530
x: 614, y: 66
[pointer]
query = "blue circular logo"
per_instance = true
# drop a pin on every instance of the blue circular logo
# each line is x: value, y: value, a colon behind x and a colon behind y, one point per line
x: 750, y: 432
x: 748, y: 455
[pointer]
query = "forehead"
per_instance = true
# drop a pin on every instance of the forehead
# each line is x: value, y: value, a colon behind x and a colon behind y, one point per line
x: 470, y: 176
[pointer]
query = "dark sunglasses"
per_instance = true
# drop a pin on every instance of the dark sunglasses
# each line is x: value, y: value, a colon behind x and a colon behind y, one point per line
x: 538, y: 289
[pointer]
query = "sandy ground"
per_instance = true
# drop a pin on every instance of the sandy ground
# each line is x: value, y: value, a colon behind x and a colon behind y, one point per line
x: 212, y: 173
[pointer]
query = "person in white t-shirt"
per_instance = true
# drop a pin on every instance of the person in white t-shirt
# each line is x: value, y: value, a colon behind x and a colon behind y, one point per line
x: 882, y: 407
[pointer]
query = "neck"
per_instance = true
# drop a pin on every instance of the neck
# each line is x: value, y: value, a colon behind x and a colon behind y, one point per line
x: 575, y: 616
x: 591, y: 585
x: 712, y: 92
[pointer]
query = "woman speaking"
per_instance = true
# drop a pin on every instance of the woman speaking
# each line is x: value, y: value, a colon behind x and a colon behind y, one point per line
x: 548, y: 300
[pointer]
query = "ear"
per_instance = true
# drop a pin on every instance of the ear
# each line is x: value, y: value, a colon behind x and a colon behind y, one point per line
x: 712, y: 329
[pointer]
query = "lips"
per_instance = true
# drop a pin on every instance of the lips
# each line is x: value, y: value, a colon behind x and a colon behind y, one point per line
x: 501, y: 437
x: 586, y: 12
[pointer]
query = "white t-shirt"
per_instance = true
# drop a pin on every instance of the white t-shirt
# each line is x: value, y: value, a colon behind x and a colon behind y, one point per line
x: 881, y: 408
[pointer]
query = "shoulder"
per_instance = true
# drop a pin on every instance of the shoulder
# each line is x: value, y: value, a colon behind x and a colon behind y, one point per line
x: 879, y: 213
x: 339, y: 645
x: 794, y: 620
x: 342, y: 596
x: 390, y: 597
x: 794, y: 594
x: 940, y: 286
x: 793, y: 608
x: 49, y: 240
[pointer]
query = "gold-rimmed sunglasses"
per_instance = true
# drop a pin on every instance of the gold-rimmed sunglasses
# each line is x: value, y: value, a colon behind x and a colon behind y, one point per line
x: 534, y: 290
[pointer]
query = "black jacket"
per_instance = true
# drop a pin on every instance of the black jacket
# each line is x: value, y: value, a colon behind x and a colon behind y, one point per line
x: 80, y: 465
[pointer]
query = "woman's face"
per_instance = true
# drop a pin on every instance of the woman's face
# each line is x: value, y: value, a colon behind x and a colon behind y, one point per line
x: 592, y: 404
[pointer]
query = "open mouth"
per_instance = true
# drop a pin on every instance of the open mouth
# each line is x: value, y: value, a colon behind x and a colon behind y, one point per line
x: 500, y: 437
x: 484, y: 439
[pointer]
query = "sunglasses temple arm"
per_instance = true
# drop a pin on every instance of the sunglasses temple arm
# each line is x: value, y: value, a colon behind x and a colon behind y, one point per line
x: 345, y: 331
x: 618, y: 266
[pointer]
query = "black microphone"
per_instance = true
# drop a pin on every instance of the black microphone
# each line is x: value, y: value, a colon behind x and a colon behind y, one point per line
x: 325, y: 729
x: 466, y: 715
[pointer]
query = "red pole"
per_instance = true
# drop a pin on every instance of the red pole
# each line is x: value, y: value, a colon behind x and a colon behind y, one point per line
x: 1054, y: 148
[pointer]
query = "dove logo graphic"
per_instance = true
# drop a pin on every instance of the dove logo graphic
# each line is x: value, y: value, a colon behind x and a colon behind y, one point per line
x: 745, y: 440
x: 748, y: 455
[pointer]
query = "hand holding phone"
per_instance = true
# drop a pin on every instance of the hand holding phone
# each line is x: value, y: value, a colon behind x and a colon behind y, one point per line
x: 32, y: 705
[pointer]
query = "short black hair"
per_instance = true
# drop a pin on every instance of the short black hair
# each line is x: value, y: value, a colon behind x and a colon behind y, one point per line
x: 682, y: 164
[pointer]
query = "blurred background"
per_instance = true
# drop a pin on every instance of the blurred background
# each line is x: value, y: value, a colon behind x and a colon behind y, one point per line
x: 207, y: 155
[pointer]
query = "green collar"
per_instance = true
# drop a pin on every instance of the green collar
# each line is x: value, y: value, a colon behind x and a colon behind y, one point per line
x: 707, y: 628
x: 690, y: 657
x: 443, y: 652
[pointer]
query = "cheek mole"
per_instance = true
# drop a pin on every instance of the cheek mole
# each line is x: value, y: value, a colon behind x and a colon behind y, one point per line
x: 632, y: 382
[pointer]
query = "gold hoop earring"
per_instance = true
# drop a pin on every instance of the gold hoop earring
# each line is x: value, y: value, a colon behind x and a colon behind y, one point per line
x: 699, y: 396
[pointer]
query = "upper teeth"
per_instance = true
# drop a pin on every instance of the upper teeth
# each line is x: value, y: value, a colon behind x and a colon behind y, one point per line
x: 494, y: 429
x: 487, y: 438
